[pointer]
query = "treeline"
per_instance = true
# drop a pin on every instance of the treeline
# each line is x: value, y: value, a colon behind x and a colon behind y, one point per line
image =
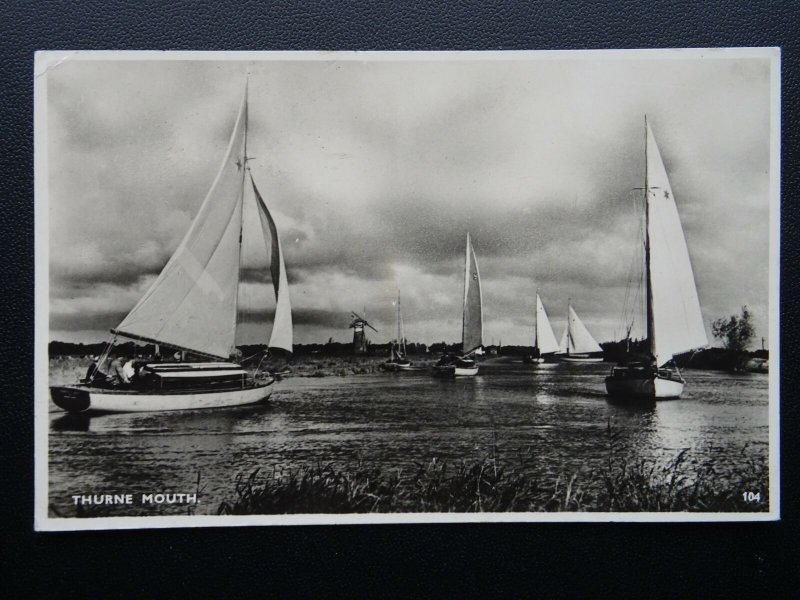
x: 613, y: 352
x: 329, y: 348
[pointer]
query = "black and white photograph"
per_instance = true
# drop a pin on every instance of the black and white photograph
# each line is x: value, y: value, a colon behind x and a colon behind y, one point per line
x: 406, y: 287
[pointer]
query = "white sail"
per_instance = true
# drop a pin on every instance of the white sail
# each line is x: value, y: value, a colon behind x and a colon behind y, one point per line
x: 401, y: 335
x: 472, y: 332
x: 192, y: 303
x: 677, y: 323
x: 563, y: 343
x: 545, y: 339
x: 281, y: 336
x: 576, y: 339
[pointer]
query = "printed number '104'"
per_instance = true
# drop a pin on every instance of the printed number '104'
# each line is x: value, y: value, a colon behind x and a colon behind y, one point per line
x: 751, y: 496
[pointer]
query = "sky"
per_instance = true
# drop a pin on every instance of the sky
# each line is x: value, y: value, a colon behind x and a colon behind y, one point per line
x: 376, y: 170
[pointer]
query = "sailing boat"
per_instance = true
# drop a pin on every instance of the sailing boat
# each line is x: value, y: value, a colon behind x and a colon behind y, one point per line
x: 192, y: 308
x: 544, y: 341
x: 577, y: 344
x: 674, y: 321
x: 397, y: 351
x: 472, y: 324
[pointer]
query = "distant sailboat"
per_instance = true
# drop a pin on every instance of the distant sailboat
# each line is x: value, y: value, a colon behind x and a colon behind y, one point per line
x: 472, y: 323
x: 577, y: 344
x: 674, y: 320
x: 397, y: 350
x: 544, y: 341
x: 192, y: 307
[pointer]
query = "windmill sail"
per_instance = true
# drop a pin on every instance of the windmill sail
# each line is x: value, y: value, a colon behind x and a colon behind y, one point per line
x: 576, y: 339
x: 281, y: 336
x: 472, y: 332
x: 545, y: 339
x: 676, y: 323
x: 192, y: 303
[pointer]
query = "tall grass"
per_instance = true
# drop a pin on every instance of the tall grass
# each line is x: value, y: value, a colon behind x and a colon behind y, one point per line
x: 620, y: 485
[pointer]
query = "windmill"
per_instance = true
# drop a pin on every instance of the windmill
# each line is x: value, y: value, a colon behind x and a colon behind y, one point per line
x: 359, y: 333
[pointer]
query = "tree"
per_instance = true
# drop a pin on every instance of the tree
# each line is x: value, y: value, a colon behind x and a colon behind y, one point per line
x: 734, y: 332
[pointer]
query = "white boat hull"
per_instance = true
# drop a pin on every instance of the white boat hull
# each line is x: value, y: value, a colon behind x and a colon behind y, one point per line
x: 651, y: 387
x: 466, y: 371
x: 453, y: 371
x: 392, y: 366
x: 579, y: 359
x: 84, y: 399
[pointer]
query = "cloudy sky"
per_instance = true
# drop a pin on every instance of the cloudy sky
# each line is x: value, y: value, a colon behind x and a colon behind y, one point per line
x: 375, y: 171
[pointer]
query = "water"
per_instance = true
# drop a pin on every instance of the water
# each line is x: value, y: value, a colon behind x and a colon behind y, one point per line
x: 548, y: 420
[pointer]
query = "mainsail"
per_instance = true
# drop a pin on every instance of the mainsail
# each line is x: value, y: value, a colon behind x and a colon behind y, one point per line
x: 472, y: 332
x: 675, y: 323
x: 545, y: 339
x: 192, y: 303
x: 576, y: 339
x: 281, y: 336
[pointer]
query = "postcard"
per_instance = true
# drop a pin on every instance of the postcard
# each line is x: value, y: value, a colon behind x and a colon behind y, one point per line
x: 406, y: 287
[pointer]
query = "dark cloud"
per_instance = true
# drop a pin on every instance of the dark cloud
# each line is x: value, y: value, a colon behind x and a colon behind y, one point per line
x: 376, y: 171
x: 89, y: 320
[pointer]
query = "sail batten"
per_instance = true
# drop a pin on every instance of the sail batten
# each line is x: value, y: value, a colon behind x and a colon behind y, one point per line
x: 676, y: 320
x: 472, y: 329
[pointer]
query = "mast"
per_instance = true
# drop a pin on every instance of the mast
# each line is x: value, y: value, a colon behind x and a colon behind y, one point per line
x: 241, y: 219
x: 466, y: 289
x: 569, y: 325
x: 650, y: 331
x: 536, y: 321
x: 399, y: 328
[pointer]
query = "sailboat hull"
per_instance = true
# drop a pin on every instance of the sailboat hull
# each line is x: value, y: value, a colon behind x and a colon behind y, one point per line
x: 642, y: 384
x: 88, y: 399
x: 393, y: 366
x: 579, y: 358
x: 454, y: 371
x: 530, y: 360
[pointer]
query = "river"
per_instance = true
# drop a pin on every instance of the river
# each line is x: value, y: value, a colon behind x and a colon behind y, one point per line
x: 547, y: 420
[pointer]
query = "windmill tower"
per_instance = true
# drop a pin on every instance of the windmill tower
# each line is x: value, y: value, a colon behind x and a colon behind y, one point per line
x: 359, y: 325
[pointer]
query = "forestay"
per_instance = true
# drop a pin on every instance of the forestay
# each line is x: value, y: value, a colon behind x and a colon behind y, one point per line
x: 677, y: 323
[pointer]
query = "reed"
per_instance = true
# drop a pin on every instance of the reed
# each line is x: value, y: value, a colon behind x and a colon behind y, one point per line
x: 621, y: 485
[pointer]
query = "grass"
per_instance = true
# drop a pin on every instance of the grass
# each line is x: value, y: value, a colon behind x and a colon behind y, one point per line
x: 621, y: 485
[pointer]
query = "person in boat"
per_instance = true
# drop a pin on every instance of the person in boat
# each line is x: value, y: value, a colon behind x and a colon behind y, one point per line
x: 116, y: 369
x: 93, y: 372
x: 447, y: 359
x: 129, y: 370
